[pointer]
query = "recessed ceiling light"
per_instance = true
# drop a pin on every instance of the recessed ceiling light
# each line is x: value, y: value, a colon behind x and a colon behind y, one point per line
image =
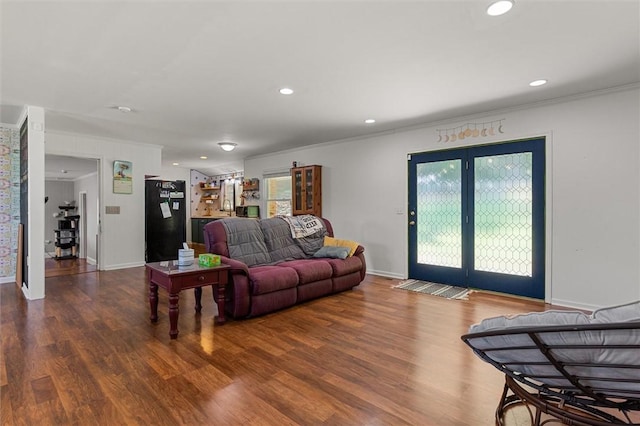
x: 537, y: 83
x: 286, y: 91
x: 176, y: 164
x: 499, y: 7
x: 124, y: 108
x: 203, y: 157
x: 369, y: 121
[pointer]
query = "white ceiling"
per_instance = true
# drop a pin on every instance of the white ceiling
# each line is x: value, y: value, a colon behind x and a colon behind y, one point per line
x: 199, y: 72
x: 60, y: 167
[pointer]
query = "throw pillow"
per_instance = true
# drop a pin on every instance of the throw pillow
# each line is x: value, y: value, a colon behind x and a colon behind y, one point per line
x: 330, y: 241
x: 334, y: 252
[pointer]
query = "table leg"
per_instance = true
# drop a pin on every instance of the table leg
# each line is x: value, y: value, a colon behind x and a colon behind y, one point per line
x: 218, y: 297
x: 198, y: 295
x: 173, y: 315
x: 153, y: 301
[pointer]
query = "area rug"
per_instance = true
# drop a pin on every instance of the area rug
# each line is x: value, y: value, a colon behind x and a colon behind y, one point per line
x: 435, y: 289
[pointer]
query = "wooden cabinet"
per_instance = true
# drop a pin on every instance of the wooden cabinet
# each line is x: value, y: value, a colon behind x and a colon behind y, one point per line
x: 197, y: 229
x: 306, y: 191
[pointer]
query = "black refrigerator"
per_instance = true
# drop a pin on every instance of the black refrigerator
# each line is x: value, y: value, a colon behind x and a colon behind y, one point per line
x: 165, y: 219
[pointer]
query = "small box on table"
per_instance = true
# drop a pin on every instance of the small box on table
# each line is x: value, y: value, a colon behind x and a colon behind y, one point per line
x: 208, y: 259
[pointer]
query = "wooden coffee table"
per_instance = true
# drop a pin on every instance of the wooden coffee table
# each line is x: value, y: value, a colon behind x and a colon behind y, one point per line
x: 175, y: 279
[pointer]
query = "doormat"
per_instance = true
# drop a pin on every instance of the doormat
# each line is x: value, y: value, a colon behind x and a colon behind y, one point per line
x: 435, y: 289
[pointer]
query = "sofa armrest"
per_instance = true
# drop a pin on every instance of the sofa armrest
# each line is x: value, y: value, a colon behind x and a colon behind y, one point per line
x: 237, y: 267
x: 360, y: 254
x: 237, y: 296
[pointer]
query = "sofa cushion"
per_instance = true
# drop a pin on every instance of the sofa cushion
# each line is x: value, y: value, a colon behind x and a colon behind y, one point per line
x: 245, y: 241
x: 310, y: 270
x: 266, y: 279
x: 629, y: 312
x: 345, y: 266
x: 280, y: 243
x: 352, y: 245
x: 569, y: 347
x: 531, y: 319
x: 336, y: 252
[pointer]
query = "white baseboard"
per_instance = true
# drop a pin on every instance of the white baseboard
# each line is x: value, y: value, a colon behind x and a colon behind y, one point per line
x: 574, y: 305
x: 5, y: 280
x: 123, y: 266
x: 385, y: 274
x: 91, y: 261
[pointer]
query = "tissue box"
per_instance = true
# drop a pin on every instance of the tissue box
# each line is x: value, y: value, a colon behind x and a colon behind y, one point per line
x: 208, y: 259
x: 185, y: 257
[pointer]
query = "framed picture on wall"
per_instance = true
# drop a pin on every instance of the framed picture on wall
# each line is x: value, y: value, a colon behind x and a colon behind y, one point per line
x: 122, y: 177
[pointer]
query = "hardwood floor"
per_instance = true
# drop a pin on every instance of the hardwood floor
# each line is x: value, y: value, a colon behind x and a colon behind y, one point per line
x: 87, y: 354
x: 56, y: 268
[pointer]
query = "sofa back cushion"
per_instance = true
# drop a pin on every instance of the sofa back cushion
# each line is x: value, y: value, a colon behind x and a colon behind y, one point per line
x: 246, y: 242
x: 277, y: 243
x: 281, y: 245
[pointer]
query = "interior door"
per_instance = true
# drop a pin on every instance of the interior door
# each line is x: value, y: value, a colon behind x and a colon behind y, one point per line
x: 476, y: 217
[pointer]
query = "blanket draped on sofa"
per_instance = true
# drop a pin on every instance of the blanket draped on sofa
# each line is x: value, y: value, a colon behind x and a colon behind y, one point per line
x: 267, y: 242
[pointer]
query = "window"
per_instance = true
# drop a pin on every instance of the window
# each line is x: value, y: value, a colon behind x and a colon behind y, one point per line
x: 278, y: 192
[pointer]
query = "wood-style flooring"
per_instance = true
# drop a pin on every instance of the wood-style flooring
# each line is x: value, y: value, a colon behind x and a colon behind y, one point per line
x: 88, y: 355
x: 56, y: 268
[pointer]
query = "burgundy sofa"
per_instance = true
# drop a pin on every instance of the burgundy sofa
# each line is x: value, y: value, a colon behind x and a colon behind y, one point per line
x: 271, y: 270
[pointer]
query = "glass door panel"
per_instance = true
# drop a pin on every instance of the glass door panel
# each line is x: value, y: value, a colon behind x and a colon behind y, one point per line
x: 297, y: 182
x: 503, y: 194
x: 439, y: 208
x: 308, y: 181
x: 436, y: 228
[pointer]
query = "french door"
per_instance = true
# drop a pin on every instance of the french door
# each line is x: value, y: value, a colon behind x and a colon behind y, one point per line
x: 476, y: 217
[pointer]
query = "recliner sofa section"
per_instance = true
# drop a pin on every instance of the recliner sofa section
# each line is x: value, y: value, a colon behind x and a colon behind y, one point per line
x: 271, y: 270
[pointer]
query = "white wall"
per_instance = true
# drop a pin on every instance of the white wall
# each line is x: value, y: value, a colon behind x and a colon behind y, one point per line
x: 89, y: 184
x: 593, y: 160
x: 122, y: 235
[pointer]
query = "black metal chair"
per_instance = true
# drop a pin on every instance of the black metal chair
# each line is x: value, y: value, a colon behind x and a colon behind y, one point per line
x: 586, y: 374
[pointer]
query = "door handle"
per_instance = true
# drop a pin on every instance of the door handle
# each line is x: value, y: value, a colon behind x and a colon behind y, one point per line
x: 413, y: 222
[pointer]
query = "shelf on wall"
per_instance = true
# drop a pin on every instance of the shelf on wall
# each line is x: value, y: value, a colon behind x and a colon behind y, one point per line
x: 208, y: 186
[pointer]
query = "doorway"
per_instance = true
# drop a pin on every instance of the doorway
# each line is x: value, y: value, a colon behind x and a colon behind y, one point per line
x: 476, y: 217
x: 72, y: 181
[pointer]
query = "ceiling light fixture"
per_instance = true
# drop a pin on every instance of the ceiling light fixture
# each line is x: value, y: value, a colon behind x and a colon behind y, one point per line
x: 227, y: 146
x: 124, y: 109
x: 286, y: 91
x: 176, y: 164
x: 203, y: 157
x: 499, y: 7
x: 369, y: 121
x: 537, y: 83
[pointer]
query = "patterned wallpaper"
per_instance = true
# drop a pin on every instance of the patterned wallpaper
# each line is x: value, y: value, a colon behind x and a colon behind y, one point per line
x: 9, y: 199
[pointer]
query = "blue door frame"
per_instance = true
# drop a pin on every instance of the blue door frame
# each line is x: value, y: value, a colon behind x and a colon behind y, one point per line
x: 466, y: 275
